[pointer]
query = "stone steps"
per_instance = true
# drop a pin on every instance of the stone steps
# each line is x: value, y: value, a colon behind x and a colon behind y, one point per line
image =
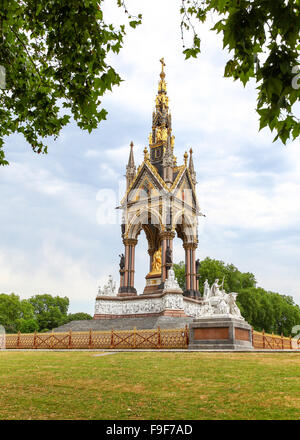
x: 144, y: 323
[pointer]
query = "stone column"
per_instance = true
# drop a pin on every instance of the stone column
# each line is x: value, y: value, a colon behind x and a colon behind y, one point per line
x: 151, y: 253
x: 122, y: 273
x: 187, y: 268
x: 126, y: 264
x: 190, y: 271
x: 127, y: 286
x: 193, y: 270
x: 132, y: 265
x: 163, y: 259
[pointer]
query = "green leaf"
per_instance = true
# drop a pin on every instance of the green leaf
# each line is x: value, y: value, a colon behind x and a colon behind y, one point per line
x: 273, y: 85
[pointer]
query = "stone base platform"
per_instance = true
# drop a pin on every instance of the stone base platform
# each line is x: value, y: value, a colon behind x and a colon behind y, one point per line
x: 141, y: 323
x: 220, y: 333
x: 170, y: 303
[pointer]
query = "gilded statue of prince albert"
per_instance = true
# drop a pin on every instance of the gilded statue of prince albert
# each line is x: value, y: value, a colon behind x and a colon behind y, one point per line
x: 156, y: 263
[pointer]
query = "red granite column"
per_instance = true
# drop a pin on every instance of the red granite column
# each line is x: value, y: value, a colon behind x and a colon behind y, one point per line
x: 187, y: 267
x: 126, y: 265
x: 193, y: 270
x: 127, y: 285
x: 163, y: 259
x: 132, y: 265
x: 121, y: 278
x: 190, y: 272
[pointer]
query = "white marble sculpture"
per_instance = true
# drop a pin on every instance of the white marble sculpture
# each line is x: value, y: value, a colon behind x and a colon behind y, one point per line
x: 171, y: 284
x: 217, y: 302
x: 207, y: 291
x: 234, y: 310
x: 108, y: 289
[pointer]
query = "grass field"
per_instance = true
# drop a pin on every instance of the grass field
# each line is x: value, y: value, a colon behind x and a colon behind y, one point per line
x: 78, y: 385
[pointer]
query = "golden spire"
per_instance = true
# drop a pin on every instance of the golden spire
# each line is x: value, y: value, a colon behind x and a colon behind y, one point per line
x: 161, y: 118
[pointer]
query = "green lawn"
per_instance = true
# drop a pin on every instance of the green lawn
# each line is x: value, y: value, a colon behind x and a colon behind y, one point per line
x: 78, y: 385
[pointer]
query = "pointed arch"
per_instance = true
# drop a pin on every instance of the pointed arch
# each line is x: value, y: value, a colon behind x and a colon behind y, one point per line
x: 186, y: 227
x: 148, y: 216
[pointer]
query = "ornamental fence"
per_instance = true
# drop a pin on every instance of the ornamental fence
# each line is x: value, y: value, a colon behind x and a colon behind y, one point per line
x: 146, y: 339
x: 262, y: 340
x: 132, y: 339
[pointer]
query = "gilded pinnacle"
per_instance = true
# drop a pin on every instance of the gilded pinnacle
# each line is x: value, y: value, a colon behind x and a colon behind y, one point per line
x: 185, y: 156
x: 146, y: 156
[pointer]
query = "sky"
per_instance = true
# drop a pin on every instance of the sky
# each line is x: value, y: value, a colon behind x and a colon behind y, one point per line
x: 54, y: 235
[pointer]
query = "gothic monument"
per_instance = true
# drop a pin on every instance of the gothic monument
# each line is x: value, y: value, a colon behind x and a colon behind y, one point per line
x: 161, y: 200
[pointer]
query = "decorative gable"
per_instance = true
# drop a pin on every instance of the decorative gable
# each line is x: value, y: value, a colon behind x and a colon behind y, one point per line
x: 147, y: 183
x: 184, y: 189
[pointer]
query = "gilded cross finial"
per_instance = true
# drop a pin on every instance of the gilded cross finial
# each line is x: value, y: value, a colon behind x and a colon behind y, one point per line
x: 162, y: 73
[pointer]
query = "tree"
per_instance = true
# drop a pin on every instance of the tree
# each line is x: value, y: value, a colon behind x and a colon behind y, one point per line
x: 50, y: 311
x: 268, y: 311
x: 210, y: 269
x: 179, y: 270
x: 234, y: 280
x: 54, y: 54
x: 80, y: 316
x: 38, y: 313
x: 12, y: 310
x: 263, y: 37
x: 27, y: 325
x: 51, y: 319
x: 9, y: 309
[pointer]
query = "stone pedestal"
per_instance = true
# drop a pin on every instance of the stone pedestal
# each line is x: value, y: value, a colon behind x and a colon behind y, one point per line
x: 220, y: 333
x: 153, y: 283
x: 127, y: 291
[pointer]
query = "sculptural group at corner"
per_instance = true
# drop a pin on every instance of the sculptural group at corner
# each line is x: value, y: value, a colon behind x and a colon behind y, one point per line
x: 108, y: 289
x: 217, y: 302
